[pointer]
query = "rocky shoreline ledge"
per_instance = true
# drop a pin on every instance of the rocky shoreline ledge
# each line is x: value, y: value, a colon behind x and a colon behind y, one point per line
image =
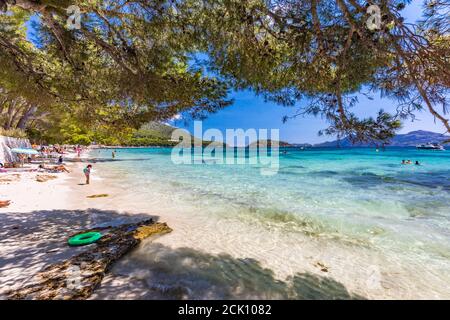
x: 78, y: 276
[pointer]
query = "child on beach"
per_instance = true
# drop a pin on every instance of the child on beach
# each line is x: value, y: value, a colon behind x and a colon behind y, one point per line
x: 87, y: 172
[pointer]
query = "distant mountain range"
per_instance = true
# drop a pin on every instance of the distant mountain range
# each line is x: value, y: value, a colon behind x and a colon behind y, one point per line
x: 267, y: 143
x: 161, y: 133
x: 410, y: 139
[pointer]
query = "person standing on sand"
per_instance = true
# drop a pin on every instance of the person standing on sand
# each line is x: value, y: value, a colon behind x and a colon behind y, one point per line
x: 87, y: 172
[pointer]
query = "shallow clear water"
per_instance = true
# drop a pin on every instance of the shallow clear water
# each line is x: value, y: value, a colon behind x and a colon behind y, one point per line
x: 380, y: 229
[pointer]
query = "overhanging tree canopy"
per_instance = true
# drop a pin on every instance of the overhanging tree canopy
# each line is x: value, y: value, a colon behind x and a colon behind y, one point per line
x: 129, y: 60
x: 124, y: 65
x: 323, y: 50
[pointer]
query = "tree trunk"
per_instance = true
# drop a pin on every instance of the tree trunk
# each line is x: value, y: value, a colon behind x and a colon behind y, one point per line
x: 10, y: 116
x: 27, y: 115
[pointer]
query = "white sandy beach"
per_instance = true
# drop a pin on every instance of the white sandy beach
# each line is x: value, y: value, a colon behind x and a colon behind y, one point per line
x: 41, y: 216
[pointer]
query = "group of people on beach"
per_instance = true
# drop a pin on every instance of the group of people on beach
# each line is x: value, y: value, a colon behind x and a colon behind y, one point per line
x: 417, y: 163
x: 60, y: 167
x: 47, y: 150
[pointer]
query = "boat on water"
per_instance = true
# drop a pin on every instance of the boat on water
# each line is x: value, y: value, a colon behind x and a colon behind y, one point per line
x: 430, y: 146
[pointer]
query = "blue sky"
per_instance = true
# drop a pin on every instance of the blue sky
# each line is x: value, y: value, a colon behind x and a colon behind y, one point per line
x: 251, y: 111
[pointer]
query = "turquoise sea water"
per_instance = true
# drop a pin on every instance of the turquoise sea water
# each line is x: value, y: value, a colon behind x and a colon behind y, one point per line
x: 361, y: 213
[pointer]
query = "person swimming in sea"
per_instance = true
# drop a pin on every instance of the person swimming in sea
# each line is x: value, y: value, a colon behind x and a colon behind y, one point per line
x: 418, y: 163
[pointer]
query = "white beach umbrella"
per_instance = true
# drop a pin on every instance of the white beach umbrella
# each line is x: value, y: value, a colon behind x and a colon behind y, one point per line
x: 24, y: 151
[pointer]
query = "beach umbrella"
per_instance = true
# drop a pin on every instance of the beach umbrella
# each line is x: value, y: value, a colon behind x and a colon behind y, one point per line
x: 24, y: 151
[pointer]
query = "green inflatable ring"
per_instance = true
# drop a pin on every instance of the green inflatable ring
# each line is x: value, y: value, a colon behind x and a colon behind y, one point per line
x: 84, y: 238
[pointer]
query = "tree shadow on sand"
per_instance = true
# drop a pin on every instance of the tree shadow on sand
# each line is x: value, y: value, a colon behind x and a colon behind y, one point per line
x: 155, y: 271
x: 32, y: 241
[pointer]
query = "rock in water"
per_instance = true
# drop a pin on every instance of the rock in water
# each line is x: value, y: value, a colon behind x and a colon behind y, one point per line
x: 77, y: 277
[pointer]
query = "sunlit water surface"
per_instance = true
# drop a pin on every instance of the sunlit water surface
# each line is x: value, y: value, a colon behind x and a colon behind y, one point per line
x: 332, y: 223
